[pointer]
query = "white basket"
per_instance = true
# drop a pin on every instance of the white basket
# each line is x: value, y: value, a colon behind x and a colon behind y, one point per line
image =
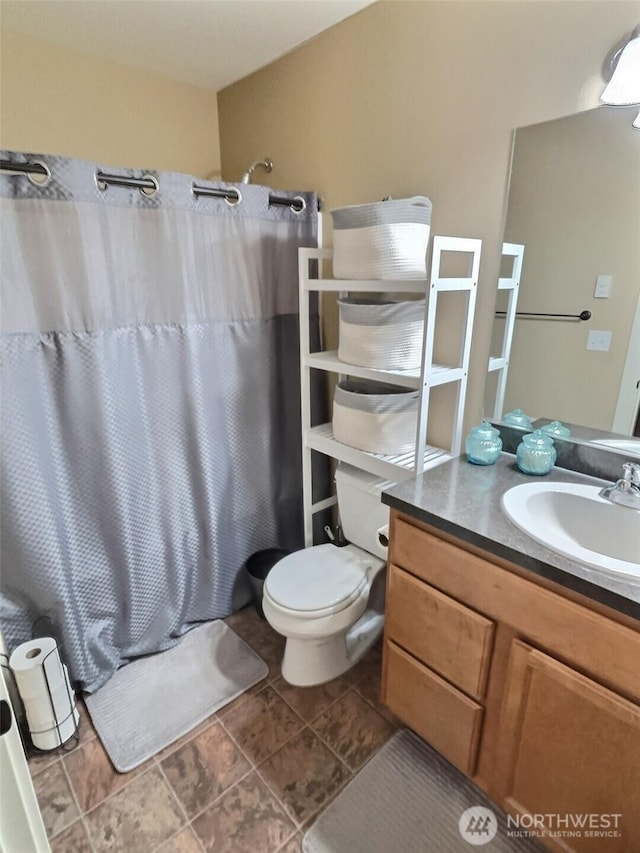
x: 385, y: 335
x: 384, y: 240
x: 375, y: 417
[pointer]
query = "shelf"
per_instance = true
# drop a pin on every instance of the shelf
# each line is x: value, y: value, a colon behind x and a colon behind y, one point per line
x: 500, y: 364
x: 496, y: 363
x: 439, y: 374
x: 404, y: 285
x: 452, y: 284
x: 394, y: 468
x: 421, y: 379
x: 329, y: 361
x: 309, y: 284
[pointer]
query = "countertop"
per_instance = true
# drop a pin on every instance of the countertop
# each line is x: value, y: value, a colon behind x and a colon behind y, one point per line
x: 463, y: 500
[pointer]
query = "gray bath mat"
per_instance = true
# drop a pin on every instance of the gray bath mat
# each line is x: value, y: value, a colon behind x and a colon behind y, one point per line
x: 408, y: 798
x: 153, y: 701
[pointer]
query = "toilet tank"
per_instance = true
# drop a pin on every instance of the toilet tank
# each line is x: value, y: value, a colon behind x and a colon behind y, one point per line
x: 362, y: 515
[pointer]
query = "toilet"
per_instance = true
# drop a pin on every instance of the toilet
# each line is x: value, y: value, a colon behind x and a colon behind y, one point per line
x: 329, y: 601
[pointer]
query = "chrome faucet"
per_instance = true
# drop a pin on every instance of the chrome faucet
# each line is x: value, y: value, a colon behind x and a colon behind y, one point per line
x: 626, y: 491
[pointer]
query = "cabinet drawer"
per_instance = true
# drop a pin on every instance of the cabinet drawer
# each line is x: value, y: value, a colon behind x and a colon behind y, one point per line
x: 444, y: 717
x: 445, y: 635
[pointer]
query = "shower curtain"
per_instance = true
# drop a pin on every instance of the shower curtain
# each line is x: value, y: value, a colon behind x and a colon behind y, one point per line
x: 150, y: 405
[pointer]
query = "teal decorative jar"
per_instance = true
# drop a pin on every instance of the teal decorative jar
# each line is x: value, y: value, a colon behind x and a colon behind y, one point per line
x: 483, y: 444
x: 517, y: 418
x: 556, y: 430
x: 536, y: 453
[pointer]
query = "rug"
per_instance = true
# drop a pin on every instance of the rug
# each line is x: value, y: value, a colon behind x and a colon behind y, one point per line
x: 409, y: 798
x: 153, y: 701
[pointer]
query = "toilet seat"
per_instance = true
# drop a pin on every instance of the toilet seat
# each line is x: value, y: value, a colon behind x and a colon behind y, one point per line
x: 318, y: 581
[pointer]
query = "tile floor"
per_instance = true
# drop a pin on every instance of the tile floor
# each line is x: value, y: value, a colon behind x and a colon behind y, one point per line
x: 252, y: 777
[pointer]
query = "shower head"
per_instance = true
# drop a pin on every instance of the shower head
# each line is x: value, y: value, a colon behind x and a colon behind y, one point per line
x: 265, y: 164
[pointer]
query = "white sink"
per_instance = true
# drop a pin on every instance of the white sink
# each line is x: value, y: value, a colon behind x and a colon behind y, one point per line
x: 575, y: 521
x: 626, y: 445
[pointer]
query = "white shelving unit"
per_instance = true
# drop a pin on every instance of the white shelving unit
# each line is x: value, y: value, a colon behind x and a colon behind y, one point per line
x: 511, y: 284
x: 319, y: 437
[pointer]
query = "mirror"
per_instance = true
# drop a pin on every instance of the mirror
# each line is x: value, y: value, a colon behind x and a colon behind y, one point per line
x: 574, y: 204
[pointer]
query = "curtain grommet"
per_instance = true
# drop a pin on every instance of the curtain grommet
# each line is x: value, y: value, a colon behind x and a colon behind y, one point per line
x: 149, y: 192
x: 298, y: 208
x: 37, y: 178
x: 101, y: 185
x: 238, y: 195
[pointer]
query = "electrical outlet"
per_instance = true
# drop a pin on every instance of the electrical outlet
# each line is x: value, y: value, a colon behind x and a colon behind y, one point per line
x: 599, y: 340
x: 603, y: 287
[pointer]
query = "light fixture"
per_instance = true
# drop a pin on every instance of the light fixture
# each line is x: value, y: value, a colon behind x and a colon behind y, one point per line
x: 622, y: 71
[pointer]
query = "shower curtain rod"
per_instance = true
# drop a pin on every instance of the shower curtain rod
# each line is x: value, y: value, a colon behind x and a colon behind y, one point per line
x: 147, y: 184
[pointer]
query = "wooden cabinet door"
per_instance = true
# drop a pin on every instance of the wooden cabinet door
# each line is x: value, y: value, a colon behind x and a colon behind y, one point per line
x: 569, y: 753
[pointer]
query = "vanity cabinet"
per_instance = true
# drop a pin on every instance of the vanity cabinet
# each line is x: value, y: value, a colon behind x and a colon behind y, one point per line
x: 533, y: 694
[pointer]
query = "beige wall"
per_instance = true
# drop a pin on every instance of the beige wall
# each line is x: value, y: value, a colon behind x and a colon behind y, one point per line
x: 416, y: 97
x: 574, y: 202
x: 60, y: 101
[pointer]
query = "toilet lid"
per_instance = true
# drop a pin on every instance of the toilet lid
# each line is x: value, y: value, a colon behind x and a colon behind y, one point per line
x: 317, y: 578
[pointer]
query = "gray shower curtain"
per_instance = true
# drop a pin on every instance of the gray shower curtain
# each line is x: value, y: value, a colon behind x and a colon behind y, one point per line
x: 150, y: 405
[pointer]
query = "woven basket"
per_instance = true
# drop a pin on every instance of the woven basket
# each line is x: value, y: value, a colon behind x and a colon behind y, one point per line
x: 375, y: 417
x: 386, y: 335
x: 384, y: 240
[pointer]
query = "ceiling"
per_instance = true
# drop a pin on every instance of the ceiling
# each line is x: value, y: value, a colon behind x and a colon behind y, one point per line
x: 209, y: 43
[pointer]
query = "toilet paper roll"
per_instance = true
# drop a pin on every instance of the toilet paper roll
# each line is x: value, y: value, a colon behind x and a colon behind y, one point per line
x: 56, y: 736
x: 43, y: 715
x: 383, y: 536
x: 45, y: 690
x: 44, y: 721
x: 30, y: 661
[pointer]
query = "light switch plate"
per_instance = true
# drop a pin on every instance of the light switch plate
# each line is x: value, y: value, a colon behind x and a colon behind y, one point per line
x: 599, y: 340
x: 603, y: 287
